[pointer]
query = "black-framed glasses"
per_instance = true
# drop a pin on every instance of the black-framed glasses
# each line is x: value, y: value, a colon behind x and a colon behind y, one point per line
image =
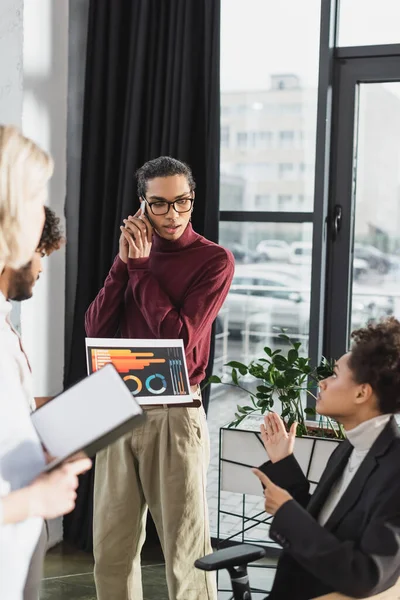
x: 162, y: 207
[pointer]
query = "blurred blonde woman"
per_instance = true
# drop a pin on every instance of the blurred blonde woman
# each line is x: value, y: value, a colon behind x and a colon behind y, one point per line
x: 26, y: 497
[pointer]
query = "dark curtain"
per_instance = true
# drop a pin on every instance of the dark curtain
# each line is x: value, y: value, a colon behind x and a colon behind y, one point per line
x: 151, y: 89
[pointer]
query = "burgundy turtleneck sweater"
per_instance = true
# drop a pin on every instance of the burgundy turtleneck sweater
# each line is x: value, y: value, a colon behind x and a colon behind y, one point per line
x: 176, y: 292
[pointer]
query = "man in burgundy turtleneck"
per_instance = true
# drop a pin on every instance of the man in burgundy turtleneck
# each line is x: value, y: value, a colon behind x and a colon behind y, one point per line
x: 167, y: 282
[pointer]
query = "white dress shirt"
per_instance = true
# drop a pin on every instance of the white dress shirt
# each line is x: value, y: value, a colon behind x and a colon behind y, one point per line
x: 21, y: 457
x: 361, y: 438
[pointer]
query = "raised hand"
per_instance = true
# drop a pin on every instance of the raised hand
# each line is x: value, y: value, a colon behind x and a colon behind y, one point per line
x: 123, y: 247
x: 138, y: 234
x: 277, y: 441
x: 275, y: 496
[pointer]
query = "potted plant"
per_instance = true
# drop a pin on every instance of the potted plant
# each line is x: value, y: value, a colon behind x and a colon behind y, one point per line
x: 286, y: 379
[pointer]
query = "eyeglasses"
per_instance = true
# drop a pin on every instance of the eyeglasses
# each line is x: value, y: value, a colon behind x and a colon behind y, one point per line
x: 161, y: 207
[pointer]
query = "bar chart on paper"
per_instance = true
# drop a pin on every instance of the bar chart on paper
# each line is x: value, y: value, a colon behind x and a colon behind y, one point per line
x: 151, y: 369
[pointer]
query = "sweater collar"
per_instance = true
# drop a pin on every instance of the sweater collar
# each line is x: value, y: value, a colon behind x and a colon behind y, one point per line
x: 187, y: 238
x: 364, y: 435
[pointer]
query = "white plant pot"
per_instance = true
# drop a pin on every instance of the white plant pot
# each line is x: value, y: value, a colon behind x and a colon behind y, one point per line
x: 242, y: 448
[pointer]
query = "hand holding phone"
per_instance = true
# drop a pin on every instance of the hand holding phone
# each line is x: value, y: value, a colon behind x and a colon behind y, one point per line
x: 144, y: 212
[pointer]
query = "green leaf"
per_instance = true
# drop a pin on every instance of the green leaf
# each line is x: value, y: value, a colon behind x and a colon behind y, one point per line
x: 239, y: 419
x: 310, y: 411
x: 303, y: 363
x: 261, y: 396
x: 280, y: 362
x: 235, y: 377
x: 292, y: 355
x: 235, y: 364
x: 283, y: 398
x: 214, y: 379
x: 268, y: 351
x: 238, y: 365
x: 285, y: 337
x: 292, y: 372
x: 265, y: 388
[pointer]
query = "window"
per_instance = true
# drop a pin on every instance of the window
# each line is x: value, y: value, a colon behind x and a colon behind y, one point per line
x: 256, y: 172
x: 242, y: 139
x: 267, y: 67
x: 242, y: 285
x: 302, y: 169
x: 290, y: 108
x: 232, y: 192
x: 225, y: 135
x: 264, y: 202
x: 367, y: 22
x: 286, y: 139
x: 286, y: 170
x: 285, y: 202
x: 263, y: 139
x: 253, y: 139
x: 269, y: 81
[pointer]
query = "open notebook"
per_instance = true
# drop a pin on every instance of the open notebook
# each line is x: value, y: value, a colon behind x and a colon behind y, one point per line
x: 87, y: 417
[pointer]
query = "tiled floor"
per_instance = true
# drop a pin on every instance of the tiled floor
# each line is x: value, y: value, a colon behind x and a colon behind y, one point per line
x: 68, y: 575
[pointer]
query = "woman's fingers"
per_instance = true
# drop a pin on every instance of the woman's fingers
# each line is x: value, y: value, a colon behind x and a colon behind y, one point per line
x: 279, y: 424
x: 264, y: 434
x: 269, y: 425
x: 293, y: 430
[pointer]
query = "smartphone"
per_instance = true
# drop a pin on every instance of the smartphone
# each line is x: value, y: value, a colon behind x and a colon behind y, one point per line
x: 145, y: 212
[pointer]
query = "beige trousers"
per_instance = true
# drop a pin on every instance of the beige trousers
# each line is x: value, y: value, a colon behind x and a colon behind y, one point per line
x: 161, y: 466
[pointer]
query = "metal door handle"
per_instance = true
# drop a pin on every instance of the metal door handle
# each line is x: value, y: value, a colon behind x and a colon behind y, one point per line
x: 336, y: 221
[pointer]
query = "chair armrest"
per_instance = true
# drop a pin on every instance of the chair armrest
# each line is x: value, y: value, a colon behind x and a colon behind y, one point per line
x: 230, y: 557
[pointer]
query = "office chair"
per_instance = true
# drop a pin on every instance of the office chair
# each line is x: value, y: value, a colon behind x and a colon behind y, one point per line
x: 235, y: 560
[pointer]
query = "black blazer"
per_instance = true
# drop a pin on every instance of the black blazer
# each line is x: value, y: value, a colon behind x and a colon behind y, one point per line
x: 357, y: 551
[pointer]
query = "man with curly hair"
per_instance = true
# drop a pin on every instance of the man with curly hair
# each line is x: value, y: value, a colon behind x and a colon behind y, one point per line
x: 22, y: 281
x: 345, y: 537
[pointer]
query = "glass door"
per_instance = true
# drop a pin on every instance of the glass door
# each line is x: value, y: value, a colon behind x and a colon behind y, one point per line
x: 375, y: 289
x: 364, y: 246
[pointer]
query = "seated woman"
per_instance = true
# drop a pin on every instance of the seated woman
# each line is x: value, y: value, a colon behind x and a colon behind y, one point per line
x: 345, y: 537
